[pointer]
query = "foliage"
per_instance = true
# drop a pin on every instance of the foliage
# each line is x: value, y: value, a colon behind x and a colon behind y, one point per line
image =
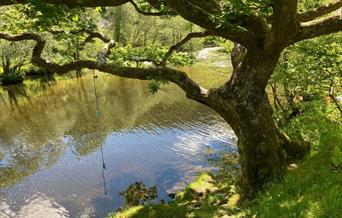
x: 239, y: 7
x: 48, y: 17
x: 65, y: 29
x: 13, y: 56
x: 309, y: 4
x: 158, y: 7
x: 132, y: 28
x: 128, y: 55
x: 155, y: 84
x: 12, y: 77
x: 309, y: 70
x: 336, y: 157
x: 312, y: 65
x: 139, y: 194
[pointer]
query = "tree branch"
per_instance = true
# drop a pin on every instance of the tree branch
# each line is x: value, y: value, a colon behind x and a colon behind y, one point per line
x: 148, y: 13
x: 104, y: 52
x: 191, y: 88
x: 320, y: 11
x: 319, y: 27
x: 199, y: 12
x: 283, y: 20
x: 72, y: 3
x: 180, y: 43
x: 194, y: 13
x: 93, y: 34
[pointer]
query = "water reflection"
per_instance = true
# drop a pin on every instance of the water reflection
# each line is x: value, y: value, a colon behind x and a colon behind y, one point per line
x: 38, y: 205
x: 50, y: 139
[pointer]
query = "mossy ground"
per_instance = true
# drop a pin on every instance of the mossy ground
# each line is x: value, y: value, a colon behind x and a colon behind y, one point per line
x: 310, y: 188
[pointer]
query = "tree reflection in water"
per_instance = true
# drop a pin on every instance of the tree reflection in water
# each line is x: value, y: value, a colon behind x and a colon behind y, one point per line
x: 44, y: 126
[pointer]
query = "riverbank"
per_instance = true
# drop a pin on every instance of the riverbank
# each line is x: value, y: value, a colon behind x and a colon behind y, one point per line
x: 310, y: 188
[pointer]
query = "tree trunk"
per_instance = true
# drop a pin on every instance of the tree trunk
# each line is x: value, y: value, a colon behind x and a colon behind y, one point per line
x: 244, y: 104
x: 261, y: 156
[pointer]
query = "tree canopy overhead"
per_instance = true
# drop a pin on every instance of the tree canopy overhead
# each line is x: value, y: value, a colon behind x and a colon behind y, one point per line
x: 260, y: 29
x: 238, y: 20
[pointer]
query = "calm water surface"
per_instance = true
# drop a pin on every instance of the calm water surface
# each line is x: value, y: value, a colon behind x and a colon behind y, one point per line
x: 51, y: 139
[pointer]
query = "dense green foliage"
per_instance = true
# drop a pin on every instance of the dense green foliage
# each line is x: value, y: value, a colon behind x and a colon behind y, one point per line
x: 307, y: 71
x: 142, y: 40
x: 13, y: 57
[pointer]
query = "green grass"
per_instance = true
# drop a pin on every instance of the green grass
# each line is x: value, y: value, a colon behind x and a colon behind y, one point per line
x: 314, y: 188
x: 310, y: 188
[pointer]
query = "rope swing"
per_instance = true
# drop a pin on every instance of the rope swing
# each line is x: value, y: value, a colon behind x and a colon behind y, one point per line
x: 98, y: 114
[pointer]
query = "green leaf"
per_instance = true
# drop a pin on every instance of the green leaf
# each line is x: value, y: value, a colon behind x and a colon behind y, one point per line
x: 75, y: 18
x: 336, y: 157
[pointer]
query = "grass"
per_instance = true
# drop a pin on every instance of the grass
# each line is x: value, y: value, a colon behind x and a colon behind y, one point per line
x: 310, y: 188
x: 314, y: 188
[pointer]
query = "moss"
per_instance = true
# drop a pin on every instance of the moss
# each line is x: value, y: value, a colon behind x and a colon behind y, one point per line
x: 204, y: 183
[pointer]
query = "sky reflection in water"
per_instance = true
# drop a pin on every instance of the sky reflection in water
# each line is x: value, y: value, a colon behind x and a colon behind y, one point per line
x: 50, y: 140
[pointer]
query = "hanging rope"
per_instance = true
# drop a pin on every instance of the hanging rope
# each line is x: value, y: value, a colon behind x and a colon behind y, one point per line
x: 98, y: 114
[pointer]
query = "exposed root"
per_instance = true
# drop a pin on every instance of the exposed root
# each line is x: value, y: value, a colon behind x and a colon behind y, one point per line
x: 295, y: 150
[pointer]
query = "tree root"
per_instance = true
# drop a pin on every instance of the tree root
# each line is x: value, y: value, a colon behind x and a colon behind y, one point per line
x: 295, y: 150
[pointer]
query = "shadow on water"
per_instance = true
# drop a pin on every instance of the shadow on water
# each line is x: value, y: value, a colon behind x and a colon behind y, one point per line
x: 50, y: 140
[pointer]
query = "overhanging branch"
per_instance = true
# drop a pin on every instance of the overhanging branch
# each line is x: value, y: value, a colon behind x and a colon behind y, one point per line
x: 171, y: 50
x: 200, y: 12
x: 319, y: 27
x: 320, y: 11
x: 191, y: 88
x: 72, y: 3
x: 93, y: 34
x: 149, y: 13
x: 193, y: 12
x: 181, y: 43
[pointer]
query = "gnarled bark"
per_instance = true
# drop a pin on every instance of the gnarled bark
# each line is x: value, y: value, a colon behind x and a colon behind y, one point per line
x: 261, y: 155
x: 245, y: 106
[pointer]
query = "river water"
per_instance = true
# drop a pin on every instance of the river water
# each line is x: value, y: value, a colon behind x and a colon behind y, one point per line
x: 51, y: 138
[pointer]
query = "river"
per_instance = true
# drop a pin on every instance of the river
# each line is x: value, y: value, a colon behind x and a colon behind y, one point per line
x: 52, y: 139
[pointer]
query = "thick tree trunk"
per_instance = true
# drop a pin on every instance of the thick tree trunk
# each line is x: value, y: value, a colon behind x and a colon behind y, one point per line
x: 244, y: 104
x: 261, y: 155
